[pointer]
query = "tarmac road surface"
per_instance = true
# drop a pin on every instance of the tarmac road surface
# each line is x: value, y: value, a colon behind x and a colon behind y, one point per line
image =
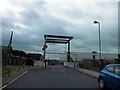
x: 54, y: 77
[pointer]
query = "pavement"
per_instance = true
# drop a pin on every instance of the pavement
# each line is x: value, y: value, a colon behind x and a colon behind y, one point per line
x: 88, y: 72
x: 92, y: 73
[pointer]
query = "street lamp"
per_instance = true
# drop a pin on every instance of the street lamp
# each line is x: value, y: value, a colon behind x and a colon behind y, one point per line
x: 96, y: 22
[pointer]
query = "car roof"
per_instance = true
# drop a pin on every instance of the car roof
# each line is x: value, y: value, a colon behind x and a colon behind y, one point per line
x: 113, y: 65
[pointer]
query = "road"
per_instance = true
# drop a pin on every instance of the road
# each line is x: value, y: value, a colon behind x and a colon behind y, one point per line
x: 54, y: 77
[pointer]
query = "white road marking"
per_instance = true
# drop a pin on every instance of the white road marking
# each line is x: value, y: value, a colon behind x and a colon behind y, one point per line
x: 13, y: 80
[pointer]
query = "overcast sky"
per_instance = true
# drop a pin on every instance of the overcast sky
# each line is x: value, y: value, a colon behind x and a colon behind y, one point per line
x: 31, y: 20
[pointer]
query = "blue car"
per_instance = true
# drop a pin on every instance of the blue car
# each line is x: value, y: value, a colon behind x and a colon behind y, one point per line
x: 109, y: 77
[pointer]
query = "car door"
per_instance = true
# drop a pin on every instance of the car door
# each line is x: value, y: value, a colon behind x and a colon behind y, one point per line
x: 109, y: 77
x: 116, y: 79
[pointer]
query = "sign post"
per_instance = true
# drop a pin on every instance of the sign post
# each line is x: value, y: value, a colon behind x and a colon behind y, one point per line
x: 44, y: 48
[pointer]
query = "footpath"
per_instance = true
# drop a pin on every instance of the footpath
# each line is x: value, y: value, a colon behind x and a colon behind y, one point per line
x: 92, y: 73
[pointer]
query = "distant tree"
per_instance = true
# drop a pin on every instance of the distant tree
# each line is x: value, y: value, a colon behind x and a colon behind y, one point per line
x: 15, y: 52
x: 18, y: 53
x: 22, y: 53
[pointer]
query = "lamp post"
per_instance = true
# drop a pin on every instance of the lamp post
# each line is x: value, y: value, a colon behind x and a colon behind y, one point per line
x: 100, y: 63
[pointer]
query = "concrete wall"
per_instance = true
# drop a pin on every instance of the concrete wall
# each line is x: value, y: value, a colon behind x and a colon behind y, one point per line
x: 38, y: 63
x: 69, y: 64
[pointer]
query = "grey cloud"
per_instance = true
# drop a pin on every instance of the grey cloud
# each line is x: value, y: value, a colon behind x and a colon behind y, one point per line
x: 30, y: 18
x: 39, y: 21
x: 7, y: 22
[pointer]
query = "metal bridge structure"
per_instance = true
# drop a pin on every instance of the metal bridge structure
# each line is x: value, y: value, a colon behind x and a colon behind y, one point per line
x: 58, y: 40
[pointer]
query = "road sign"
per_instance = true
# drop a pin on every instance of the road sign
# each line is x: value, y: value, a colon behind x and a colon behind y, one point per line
x: 44, y: 47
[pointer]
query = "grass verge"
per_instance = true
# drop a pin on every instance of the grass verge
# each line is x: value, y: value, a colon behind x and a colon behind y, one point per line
x: 10, y: 72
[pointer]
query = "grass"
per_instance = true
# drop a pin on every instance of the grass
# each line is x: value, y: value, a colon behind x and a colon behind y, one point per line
x: 10, y: 72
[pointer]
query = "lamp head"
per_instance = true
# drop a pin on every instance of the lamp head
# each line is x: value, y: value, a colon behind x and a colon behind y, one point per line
x: 96, y: 22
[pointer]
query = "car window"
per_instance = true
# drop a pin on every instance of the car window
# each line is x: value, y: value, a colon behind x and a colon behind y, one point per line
x: 117, y: 70
x: 110, y: 69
